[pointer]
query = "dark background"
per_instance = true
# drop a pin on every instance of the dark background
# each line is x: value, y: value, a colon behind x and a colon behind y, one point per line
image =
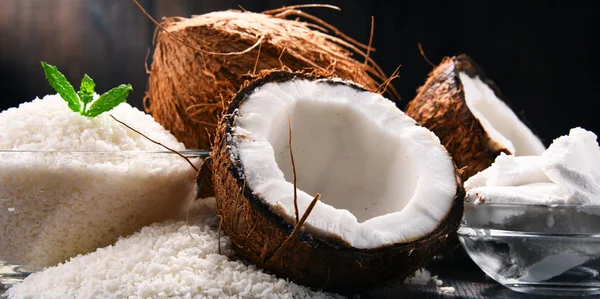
x: 538, y: 52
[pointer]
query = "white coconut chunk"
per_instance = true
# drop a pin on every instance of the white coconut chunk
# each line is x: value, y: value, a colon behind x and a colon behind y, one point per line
x: 574, y: 161
x: 508, y: 170
x: 382, y: 178
x: 568, y: 172
x: 497, y: 119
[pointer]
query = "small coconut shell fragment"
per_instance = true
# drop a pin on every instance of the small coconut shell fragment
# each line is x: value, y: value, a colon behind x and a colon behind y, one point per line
x: 440, y: 106
x: 256, y: 229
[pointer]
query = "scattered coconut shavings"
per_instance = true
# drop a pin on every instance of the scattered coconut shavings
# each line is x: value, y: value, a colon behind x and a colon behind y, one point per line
x: 447, y: 290
x: 424, y: 277
x: 162, y: 260
x: 568, y: 172
x: 420, y: 277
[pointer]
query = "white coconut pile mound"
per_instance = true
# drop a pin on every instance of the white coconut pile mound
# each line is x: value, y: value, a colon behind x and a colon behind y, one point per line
x: 55, y: 205
x: 568, y: 172
x: 49, y: 125
x: 163, y: 260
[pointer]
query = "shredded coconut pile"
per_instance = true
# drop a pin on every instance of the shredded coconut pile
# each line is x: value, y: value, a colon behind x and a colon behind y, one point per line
x: 568, y: 172
x: 49, y: 125
x: 162, y: 260
x: 55, y: 205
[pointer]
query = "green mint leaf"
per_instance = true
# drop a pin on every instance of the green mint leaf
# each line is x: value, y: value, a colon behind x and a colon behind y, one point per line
x: 109, y: 100
x: 86, y: 90
x: 62, y: 86
x: 85, y: 98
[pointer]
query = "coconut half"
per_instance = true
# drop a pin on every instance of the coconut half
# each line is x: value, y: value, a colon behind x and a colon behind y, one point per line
x: 390, y: 191
x: 467, y: 111
x: 187, y: 88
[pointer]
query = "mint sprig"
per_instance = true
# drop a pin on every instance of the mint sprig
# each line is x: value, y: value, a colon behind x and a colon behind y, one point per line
x: 83, y: 101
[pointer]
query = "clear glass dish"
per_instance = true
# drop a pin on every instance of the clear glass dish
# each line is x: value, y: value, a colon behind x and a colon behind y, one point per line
x: 56, y: 205
x: 546, y: 250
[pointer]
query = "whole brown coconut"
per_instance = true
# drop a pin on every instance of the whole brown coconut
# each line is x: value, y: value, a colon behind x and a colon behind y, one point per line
x: 475, y: 134
x: 257, y: 228
x: 188, y: 89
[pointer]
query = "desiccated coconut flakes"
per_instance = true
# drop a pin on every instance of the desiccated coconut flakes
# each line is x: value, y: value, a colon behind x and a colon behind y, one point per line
x: 163, y: 260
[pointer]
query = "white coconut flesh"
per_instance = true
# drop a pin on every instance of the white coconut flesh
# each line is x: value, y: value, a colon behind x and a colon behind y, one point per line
x: 383, y: 179
x: 498, y: 120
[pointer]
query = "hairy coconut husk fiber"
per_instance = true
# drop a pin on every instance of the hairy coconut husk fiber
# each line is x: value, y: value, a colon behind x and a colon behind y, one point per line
x: 188, y: 89
x: 321, y: 262
x: 440, y: 106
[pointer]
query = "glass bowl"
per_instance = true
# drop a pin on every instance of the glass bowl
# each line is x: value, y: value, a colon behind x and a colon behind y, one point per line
x: 56, y: 205
x: 546, y: 250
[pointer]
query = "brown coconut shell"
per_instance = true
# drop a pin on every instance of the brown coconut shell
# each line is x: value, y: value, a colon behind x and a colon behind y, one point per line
x: 188, y: 89
x: 440, y: 106
x: 330, y: 264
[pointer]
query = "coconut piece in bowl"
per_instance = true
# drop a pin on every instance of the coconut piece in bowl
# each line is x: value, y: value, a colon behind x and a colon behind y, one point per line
x: 555, y: 194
